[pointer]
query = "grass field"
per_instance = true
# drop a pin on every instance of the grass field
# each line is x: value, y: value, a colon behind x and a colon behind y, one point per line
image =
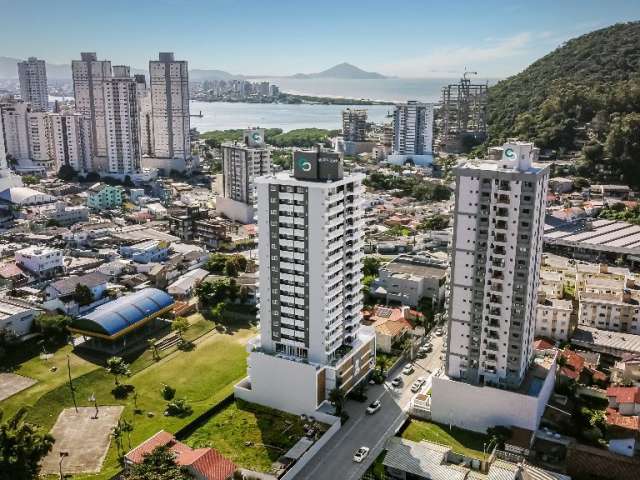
x: 270, y: 432
x: 461, y: 441
x: 203, y: 376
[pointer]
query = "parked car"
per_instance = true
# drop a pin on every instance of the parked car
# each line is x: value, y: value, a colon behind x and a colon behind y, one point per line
x: 408, y: 369
x: 417, y: 385
x: 438, y: 332
x: 374, y: 407
x: 360, y: 454
x: 396, y: 382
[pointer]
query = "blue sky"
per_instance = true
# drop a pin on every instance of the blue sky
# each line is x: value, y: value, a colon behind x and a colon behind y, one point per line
x: 408, y: 38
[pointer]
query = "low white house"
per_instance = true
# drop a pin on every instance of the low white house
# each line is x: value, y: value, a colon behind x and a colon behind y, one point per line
x: 16, y: 316
x: 186, y: 284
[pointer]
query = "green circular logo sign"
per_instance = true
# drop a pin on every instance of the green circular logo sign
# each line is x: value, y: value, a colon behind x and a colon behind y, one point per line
x: 304, y: 164
x: 256, y: 137
x: 510, y: 154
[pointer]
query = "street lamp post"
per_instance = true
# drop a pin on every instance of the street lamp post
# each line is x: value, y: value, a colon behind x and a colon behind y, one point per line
x: 73, y: 393
x: 93, y: 399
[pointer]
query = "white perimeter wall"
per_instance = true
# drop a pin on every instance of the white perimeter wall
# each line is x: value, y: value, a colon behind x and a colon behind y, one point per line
x: 238, y: 211
x: 281, y: 384
x: 478, y: 408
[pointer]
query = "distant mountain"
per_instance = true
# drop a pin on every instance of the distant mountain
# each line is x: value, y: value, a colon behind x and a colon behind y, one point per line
x: 342, y: 70
x: 200, y: 75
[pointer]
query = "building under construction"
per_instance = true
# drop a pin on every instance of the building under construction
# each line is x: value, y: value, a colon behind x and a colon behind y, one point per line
x: 463, y: 115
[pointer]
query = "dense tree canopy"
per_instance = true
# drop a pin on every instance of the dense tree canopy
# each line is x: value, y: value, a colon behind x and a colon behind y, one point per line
x: 585, y: 94
x: 418, y: 188
x: 301, y: 137
x: 22, y: 447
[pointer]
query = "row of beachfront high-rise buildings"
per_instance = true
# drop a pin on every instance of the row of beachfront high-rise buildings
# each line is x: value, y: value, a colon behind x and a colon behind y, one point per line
x: 119, y: 124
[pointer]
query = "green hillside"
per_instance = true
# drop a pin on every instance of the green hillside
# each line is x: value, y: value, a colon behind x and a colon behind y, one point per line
x: 584, y: 96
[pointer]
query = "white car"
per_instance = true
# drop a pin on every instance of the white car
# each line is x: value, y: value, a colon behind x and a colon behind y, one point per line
x: 374, y: 407
x: 408, y: 369
x: 360, y: 454
x: 417, y: 385
x: 396, y: 382
x: 438, y: 332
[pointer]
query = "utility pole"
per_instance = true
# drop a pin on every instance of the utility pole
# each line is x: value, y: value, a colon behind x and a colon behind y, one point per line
x: 73, y: 393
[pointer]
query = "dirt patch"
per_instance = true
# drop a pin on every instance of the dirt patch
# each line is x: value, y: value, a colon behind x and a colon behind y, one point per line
x: 10, y: 384
x: 84, y: 438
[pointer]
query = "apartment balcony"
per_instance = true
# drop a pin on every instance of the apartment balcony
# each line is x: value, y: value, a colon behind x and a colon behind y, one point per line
x: 499, y: 250
x: 503, y: 199
x: 498, y: 263
x: 501, y: 225
x: 502, y: 213
x: 493, y: 335
x: 492, y: 347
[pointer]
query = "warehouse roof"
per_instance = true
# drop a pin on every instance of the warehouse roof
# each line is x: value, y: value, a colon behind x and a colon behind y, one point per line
x: 124, y: 314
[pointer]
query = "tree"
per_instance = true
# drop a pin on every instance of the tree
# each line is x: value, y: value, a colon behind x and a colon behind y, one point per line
x: 82, y: 294
x: 336, y: 397
x: 434, y: 222
x: 160, y: 464
x: 30, y: 180
x: 127, y: 427
x: 116, y: 366
x: 67, y: 173
x: 180, y: 325
x: 218, y: 311
x: 216, y: 263
x: 154, y: 348
x: 22, y: 447
x: 53, y: 327
x: 371, y: 265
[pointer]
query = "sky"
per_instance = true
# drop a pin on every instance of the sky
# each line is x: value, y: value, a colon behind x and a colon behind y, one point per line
x: 405, y: 38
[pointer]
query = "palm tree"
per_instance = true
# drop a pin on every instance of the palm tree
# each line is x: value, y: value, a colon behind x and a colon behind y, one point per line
x: 117, y: 436
x: 127, y: 427
x: 154, y: 349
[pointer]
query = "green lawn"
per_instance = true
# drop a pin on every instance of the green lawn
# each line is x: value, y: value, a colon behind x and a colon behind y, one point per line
x: 48, y: 379
x: 270, y: 432
x: 461, y: 441
x: 377, y: 468
x: 203, y: 376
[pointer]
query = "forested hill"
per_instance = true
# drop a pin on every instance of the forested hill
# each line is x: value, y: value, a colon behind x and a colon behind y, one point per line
x: 585, y: 96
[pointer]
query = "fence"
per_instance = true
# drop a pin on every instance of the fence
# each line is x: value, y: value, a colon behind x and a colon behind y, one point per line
x: 309, y: 454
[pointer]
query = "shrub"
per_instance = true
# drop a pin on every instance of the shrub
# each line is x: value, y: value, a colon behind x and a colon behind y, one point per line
x: 167, y: 392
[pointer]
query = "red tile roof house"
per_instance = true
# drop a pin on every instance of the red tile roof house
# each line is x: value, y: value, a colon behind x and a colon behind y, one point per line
x: 202, y: 463
x: 624, y: 399
x: 571, y: 365
x: 391, y: 325
x: 623, y: 420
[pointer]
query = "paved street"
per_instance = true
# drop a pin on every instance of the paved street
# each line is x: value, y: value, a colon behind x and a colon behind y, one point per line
x: 335, y: 460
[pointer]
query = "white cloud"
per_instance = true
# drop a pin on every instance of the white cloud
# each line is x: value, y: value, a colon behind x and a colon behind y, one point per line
x: 445, y: 61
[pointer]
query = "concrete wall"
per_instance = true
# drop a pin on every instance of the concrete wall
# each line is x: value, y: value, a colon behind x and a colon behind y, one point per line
x: 238, y: 211
x: 478, y: 408
x: 281, y: 384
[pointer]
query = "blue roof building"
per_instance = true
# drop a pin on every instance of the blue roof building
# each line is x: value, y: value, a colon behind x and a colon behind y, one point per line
x: 115, y: 320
